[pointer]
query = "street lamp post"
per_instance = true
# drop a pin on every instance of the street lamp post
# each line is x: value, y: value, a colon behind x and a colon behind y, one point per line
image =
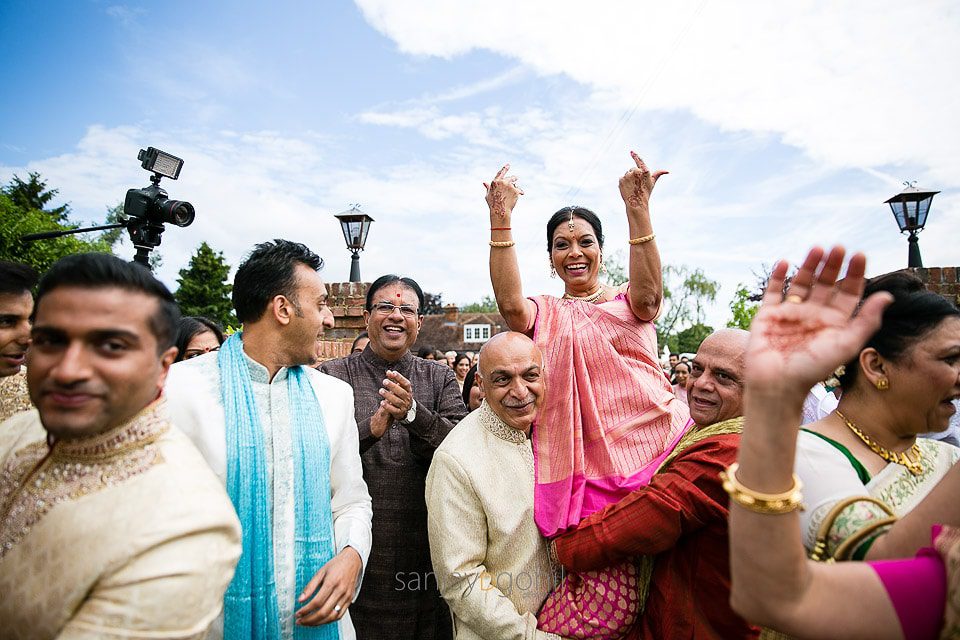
x: 356, y: 226
x: 910, y: 208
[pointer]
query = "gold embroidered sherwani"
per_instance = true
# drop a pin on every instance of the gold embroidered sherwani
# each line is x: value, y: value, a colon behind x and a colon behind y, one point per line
x: 14, y: 396
x: 491, y: 563
x: 127, y: 534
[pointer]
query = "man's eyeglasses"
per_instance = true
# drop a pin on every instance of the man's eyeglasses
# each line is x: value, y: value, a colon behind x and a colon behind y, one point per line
x: 385, y: 308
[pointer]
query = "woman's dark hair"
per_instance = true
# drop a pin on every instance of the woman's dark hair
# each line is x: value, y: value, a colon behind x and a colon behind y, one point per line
x: 460, y: 356
x: 190, y: 326
x: 360, y: 336
x: 423, y: 352
x: 565, y: 214
x: 389, y: 279
x: 913, y: 314
x: 270, y: 271
x: 468, y: 381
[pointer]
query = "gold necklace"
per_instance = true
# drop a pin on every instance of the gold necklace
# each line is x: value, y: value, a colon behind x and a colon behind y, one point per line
x: 593, y: 297
x: 913, y: 466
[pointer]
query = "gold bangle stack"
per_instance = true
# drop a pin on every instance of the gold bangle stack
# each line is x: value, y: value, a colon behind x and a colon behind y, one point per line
x: 642, y: 239
x: 502, y: 245
x: 765, y: 503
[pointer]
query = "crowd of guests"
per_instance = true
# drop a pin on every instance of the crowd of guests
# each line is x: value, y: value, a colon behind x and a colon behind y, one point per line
x: 160, y: 479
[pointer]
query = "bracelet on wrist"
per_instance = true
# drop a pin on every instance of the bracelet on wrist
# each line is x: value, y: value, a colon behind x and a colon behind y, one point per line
x: 502, y: 245
x: 764, y: 503
x: 642, y: 239
x: 499, y: 228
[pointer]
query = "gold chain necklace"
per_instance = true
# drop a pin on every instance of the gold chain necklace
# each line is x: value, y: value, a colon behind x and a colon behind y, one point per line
x: 913, y: 466
x: 593, y: 297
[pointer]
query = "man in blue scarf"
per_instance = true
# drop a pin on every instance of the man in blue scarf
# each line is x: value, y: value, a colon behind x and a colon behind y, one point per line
x: 282, y: 437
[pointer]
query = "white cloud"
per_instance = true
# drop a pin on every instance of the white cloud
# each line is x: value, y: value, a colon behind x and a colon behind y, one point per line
x: 850, y: 84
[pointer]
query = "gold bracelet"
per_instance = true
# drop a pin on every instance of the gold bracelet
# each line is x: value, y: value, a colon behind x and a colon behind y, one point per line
x: 643, y: 239
x: 766, y: 503
x: 502, y: 245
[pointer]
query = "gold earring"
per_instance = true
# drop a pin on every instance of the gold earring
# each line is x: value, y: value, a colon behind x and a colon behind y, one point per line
x: 883, y: 384
x: 553, y: 270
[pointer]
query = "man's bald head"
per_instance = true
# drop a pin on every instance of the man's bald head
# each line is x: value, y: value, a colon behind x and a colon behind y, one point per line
x: 511, y: 376
x: 715, y: 385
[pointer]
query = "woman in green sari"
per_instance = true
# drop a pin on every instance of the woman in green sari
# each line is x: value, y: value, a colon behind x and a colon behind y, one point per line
x: 899, y: 385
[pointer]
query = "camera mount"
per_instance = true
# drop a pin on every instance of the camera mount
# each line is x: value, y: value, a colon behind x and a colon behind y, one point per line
x: 145, y: 210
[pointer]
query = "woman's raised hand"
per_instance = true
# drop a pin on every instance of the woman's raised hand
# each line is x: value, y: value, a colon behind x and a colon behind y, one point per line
x: 637, y: 183
x: 502, y: 195
x: 799, y: 339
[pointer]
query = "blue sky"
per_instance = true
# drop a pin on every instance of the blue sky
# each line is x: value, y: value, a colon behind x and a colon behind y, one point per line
x: 782, y: 126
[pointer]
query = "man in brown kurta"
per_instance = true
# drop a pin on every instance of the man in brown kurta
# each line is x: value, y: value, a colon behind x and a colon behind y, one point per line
x: 405, y: 407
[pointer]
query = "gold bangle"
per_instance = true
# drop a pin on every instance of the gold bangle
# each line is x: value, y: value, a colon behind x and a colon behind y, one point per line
x: 643, y: 239
x: 765, y: 503
x: 502, y: 245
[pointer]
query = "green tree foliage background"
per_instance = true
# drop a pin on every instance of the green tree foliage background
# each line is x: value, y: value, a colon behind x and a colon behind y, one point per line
x: 686, y: 294
x: 203, y: 289
x: 22, y: 213
x: 742, y: 308
x: 487, y: 304
x: 432, y: 304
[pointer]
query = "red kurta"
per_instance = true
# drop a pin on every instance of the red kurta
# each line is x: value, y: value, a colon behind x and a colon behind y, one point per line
x: 681, y: 518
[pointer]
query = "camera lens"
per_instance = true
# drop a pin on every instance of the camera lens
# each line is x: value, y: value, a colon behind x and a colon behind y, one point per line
x: 178, y: 212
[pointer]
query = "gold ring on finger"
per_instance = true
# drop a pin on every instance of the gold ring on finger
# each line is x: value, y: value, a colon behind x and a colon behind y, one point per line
x: 793, y: 299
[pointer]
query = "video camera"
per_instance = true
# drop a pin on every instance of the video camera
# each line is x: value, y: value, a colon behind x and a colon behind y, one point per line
x: 145, y: 210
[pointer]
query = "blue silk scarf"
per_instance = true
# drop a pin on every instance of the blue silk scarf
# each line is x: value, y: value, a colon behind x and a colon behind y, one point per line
x: 250, y: 604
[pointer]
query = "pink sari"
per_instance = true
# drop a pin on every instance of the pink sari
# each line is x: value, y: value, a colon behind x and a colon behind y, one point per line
x: 610, y: 417
x: 609, y: 420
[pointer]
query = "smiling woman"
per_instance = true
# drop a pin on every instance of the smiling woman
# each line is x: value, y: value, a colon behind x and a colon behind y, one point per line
x: 605, y: 383
x: 900, y: 384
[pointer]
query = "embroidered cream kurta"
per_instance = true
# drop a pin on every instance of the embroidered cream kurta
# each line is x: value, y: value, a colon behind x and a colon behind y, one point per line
x: 123, y: 535
x: 193, y: 392
x: 492, y: 565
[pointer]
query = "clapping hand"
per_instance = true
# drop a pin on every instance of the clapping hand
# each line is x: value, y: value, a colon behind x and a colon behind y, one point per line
x: 502, y: 195
x: 397, y: 394
x: 799, y: 339
x: 637, y: 184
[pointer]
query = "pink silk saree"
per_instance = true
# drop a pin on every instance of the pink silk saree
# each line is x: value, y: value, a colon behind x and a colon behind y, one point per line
x: 610, y: 415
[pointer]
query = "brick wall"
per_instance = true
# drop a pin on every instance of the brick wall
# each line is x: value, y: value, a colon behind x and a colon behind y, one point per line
x: 346, y: 300
x: 942, y: 280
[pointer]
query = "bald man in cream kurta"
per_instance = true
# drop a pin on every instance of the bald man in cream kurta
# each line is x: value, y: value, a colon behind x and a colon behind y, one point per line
x: 492, y: 565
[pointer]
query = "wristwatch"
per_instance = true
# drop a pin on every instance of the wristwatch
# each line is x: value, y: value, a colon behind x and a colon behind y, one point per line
x: 411, y: 414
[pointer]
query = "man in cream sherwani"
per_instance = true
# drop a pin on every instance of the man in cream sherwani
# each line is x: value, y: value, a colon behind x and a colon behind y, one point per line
x: 491, y: 564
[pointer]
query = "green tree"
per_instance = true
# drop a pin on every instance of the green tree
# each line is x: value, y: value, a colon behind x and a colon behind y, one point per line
x: 742, y: 308
x: 487, y: 304
x: 686, y: 294
x: 203, y: 289
x: 616, y: 269
x: 688, y: 340
x: 432, y: 304
x: 34, y: 195
x: 15, y: 222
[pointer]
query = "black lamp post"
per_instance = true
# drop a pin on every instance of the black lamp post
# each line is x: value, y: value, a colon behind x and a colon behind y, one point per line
x: 910, y: 207
x: 356, y: 226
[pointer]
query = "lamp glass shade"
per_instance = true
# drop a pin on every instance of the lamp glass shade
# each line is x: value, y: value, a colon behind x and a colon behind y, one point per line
x: 355, y: 228
x: 910, y: 208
